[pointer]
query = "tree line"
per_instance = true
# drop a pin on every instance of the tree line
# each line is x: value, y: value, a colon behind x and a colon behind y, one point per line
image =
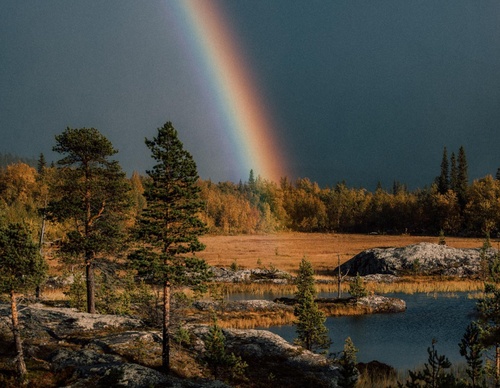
x: 450, y: 205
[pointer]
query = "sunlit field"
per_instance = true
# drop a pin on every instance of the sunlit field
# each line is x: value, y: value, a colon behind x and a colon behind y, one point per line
x: 285, y: 250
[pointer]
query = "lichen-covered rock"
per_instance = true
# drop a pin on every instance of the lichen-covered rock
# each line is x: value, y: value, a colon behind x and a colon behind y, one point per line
x: 382, y: 304
x: 59, y: 323
x: 268, y: 354
x: 143, y: 347
x: 88, y: 366
x: 241, y: 306
x: 423, y: 258
x: 256, y: 275
x: 371, y: 304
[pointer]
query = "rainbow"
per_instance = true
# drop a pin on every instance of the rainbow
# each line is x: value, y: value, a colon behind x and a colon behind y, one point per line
x: 243, y: 113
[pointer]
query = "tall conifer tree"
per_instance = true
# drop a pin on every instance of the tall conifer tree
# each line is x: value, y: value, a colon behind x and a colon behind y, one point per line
x: 169, y: 226
x: 92, y: 192
x: 443, y: 179
x: 462, y: 178
x: 312, y: 333
x: 453, y: 172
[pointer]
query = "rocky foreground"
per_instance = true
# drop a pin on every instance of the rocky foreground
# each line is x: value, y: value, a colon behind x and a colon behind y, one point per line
x: 418, y: 259
x: 82, y: 349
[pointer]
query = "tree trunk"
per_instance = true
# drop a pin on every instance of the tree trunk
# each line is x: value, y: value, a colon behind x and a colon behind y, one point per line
x: 89, y: 272
x: 21, y: 366
x: 165, y: 356
x: 497, y: 366
x: 339, y: 280
x: 38, y: 290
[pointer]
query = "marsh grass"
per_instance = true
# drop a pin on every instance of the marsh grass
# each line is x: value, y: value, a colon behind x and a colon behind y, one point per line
x: 407, y: 285
x: 54, y: 294
x: 426, y: 285
x: 253, y: 319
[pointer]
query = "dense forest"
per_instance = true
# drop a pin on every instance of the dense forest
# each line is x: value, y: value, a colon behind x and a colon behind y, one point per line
x: 449, y: 205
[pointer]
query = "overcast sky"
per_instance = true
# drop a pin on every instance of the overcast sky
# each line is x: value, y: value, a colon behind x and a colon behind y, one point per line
x: 361, y: 91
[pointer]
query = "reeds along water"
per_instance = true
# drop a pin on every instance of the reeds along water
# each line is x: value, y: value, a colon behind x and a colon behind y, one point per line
x: 405, y: 285
x: 412, y: 286
x: 251, y: 321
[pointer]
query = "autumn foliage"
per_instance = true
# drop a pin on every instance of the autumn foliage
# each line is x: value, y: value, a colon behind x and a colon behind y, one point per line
x: 262, y: 206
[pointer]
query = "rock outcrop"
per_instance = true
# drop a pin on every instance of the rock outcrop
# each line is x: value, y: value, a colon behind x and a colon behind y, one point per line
x: 423, y: 258
x: 256, y: 275
x: 382, y: 304
x: 257, y: 305
x: 86, y: 366
x: 104, y: 350
x: 269, y: 355
x: 61, y: 323
x: 371, y: 304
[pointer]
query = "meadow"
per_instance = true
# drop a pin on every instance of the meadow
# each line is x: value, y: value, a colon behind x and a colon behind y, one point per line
x: 284, y: 251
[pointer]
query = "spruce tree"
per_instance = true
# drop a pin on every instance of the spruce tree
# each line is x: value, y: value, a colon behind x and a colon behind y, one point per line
x: 443, y: 179
x: 169, y: 226
x: 221, y: 362
x: 92, y: 192
x: 21, y: 268
x: 357, y: 288
x: 453, y: 172
x: 348, y: 373
x: 41, y: 164
x: 312, y: 333
x: 462, y: 178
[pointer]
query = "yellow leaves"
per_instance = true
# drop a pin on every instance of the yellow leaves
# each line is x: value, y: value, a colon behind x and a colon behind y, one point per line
x: 18, y: 182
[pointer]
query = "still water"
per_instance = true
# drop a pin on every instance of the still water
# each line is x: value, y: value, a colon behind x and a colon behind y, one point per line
x: 401, y: 339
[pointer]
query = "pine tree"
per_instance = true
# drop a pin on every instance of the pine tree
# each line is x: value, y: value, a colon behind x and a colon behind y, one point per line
x: 443, y: 180
x: 222, y: 363
x: 433, y: 374
x: 21, y: 268
x: 348, y: 373
x: 489, y: 322
x: 169, y: 226
x: 462, y: 178
x: 497, y: 175
x: 357, y: 288
x: 312, y: 333
x: 472, y: 349
x: 92, y: 192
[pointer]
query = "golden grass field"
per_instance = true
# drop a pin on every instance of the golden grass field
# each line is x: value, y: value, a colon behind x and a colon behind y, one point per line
x: 285, y: 250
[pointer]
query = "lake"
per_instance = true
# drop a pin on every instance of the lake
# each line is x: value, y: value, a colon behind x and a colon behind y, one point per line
x: 401, y: 339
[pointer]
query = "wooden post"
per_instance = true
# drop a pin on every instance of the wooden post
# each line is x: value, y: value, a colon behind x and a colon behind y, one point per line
x: 340, y: 278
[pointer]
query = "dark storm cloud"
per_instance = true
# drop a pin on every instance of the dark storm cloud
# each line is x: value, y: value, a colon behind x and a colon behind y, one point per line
x: 361, y: 91
x: 369, y: 91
